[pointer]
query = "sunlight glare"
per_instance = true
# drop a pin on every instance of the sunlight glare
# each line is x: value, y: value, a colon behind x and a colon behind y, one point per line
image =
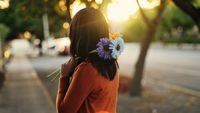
x: 121, y: 10
x: 99, y: 1
x: 76, y: 6
x: 66, y: 25
x: 149, y: 5
x: 4, y: 4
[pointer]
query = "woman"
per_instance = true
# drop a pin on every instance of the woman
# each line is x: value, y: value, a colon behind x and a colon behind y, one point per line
x: 89, y: 81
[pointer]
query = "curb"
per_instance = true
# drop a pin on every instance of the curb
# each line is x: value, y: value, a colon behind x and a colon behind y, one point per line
x: 183, y: 46
x: 42, y: 86
x: 175, y: 87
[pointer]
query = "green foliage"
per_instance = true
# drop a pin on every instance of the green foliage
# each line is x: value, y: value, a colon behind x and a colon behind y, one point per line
x: 134, y: 29
x: 26, y: 15
x: 196, y: 3
x: 174, y: 18
x: 3, y: 31
x: 174, y: 26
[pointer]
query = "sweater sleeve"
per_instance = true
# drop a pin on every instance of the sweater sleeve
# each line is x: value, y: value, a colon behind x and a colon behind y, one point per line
x: 62, y: 88
x: 80, y: 87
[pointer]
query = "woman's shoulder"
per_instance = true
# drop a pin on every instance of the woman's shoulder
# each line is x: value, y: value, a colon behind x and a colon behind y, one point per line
x: 85, y: 65
x: 86, y: 68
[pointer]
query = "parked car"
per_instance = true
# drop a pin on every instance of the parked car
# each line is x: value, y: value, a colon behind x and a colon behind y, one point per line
x: 59, y: 46
x: 49, y: 47
x: 63, y: 45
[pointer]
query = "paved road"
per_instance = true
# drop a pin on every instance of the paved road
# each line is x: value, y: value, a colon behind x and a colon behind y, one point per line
x: 169, y: 65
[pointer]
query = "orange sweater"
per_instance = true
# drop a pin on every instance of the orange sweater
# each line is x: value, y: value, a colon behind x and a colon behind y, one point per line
x: 88, y: 92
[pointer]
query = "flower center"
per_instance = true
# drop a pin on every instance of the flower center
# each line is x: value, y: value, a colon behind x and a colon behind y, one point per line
x: 106, y: 48
x: 118, y: 47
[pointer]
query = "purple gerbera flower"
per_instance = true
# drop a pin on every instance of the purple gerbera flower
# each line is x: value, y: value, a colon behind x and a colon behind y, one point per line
x: 103, y: 48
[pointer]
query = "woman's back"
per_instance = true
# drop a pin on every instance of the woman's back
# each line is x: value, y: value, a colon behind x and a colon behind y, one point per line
x: 102, y: 99
x: 90, y: 92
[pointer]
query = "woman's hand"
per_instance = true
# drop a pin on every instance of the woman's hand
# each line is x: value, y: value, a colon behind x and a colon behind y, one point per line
x: 66, y: 68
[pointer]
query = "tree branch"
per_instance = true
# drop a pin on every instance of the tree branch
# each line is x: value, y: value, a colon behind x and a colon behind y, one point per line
x: 68, y: 3
x: 145, y: 18
x: 160, y: 11
x: 189, y: 9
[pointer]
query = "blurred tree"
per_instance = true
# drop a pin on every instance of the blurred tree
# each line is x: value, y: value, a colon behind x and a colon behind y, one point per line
x: 173, y: 18
x: 134, y: 28
x: 152, y: 25
x: 4, y: 30
x: 174, y: 27
x: 68, y: 3
x: 26, y: 15
x: 173, y: 21
x: 190, y: 7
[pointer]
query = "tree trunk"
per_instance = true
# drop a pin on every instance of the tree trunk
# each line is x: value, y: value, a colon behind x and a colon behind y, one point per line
x: 69, y: 18
x: 136, y: 88
x: 152, y: 25
x: 68, y: 3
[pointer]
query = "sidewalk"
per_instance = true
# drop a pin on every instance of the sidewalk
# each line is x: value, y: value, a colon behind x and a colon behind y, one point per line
x: 23, y: 92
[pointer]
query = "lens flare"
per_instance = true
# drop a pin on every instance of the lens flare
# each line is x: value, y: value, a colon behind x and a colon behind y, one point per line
x: 121, y: 10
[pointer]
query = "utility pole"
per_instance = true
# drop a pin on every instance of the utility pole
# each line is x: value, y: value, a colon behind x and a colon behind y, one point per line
x: 45, y: 26
x: 45, y: 23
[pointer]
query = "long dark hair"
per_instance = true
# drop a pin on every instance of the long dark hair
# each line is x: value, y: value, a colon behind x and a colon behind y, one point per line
x: 86, y: 29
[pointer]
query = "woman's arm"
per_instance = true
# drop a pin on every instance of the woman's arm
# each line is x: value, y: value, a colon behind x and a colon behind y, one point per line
x: 64, y: 80
x: 62, y: 88
x: 80, y: 87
